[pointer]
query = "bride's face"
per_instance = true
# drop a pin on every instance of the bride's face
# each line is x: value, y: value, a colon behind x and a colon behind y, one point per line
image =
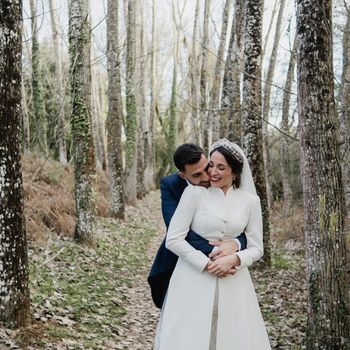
x: 220, y: 173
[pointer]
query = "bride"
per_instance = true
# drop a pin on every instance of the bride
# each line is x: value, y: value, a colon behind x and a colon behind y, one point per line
x: 202, y: 310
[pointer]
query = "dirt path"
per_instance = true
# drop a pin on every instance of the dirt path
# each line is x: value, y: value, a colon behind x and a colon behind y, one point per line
x: 139, y: 324
x: 281, y: 291
x: 99, y: 298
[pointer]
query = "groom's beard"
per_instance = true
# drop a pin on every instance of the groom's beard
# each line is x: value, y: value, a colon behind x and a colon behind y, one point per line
x: 205, y: 184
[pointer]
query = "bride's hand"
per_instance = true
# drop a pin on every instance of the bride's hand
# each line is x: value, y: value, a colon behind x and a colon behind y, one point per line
x: 223, y: 266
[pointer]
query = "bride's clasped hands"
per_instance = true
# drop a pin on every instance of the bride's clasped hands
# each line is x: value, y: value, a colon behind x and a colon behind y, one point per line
x: 224, y: 265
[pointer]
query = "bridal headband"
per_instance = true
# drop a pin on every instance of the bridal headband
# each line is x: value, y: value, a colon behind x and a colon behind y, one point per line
x: 229, y: 146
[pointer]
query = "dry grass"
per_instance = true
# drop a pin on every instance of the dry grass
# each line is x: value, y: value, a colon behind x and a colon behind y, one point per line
x: 287, y: 231
x: 49, y: 198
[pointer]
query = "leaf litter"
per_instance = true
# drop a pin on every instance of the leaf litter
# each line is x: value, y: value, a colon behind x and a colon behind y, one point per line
x: 98, y: 298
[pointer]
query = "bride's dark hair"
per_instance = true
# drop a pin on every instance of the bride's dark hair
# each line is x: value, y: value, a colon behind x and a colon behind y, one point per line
x: 235, y: 164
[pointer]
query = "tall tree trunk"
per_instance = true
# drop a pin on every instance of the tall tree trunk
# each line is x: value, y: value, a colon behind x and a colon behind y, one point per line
x: 97, y: 121
x: 214, y: 115
x: 345, y: 113
x: 115, y: 115
x: 231, y: 90
x: 328, y: 324
x: 266, y: 104
x: 252, y: 124
x: 194, y: 76
x: 206, y: 128
x: 149, y: 137
x: 141, y: 102
x: 266, y: 39
x: 131, y: 109
x: 38, y: 130
x: 25, y: 119
x: 62, y: 148
x: 285, y: 155
x: 172, y: 132
x: 83, y: 147
x: 14, y: 291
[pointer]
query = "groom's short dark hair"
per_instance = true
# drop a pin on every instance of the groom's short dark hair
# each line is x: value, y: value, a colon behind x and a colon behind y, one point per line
x: 188, y: 153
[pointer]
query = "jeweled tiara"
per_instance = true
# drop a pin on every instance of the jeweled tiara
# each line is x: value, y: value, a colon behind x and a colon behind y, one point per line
x: 229, y: 146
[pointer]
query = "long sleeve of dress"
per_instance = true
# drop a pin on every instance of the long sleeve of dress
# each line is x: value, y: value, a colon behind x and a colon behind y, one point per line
x: 178, y: 228
x: 254, y: 234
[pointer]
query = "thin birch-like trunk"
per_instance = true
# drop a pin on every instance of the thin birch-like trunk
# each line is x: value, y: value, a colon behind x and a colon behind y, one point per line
x: 195, y: 135
x: 206, y: 128
x: 131, y: 107
x: 115, y: 114
x: 214, y: 115
x: 38, y: 129
x: 328, y: 325
x: 285, y: 154
x: 231, y: 90
x: 149, y: 136
x: 266, y: 104
x: 62, y: 148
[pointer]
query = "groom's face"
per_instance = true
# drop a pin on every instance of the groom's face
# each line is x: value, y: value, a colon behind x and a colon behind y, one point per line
x: 197, y: 174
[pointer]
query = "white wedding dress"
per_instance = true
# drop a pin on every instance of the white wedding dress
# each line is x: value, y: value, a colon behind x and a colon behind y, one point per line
x: 193, y: 294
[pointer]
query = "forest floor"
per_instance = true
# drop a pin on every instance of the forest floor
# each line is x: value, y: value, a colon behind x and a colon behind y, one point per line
x: 98, y: 298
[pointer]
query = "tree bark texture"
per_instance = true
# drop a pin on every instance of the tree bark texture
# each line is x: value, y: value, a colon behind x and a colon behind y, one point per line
x: 195, y: 135
x: 285, y: 155
x: 61, y: 135
x: 205, y: 127
x: 38, y: 129
x: 131, y: 108
x: 252, y: 124
x: 214, y: 115
x: 231, y: 90
x: 149, y: 136
x: 324, y: 205
x: 115, y: 115
x: 266, y: 104
x: 14, y: 291
x: 83, y: 147
x: 345, y: 113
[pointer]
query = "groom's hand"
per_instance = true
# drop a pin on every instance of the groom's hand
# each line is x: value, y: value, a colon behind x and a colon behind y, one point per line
x: 224, y: 248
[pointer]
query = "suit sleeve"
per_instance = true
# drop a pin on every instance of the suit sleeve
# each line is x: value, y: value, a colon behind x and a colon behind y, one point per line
x: 169, y: 202
x: 169, y: 205
x: 254, y: 234
x: 178, y: 228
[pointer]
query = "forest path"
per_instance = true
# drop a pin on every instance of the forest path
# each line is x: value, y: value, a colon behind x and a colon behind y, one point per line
x: 98, y: 298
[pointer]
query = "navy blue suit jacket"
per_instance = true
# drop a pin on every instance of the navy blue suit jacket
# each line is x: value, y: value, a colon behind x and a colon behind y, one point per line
x: 171, y: 188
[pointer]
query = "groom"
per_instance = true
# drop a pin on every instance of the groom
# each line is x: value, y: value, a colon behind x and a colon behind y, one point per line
x: 192, y: 165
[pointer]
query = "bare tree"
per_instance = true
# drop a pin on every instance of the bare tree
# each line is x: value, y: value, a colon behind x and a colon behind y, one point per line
x: 83, y: 147
x: 231, y: 90
x: 62, y: 151
x: 214, y: 118
x: 194, y: 76
x: 14, y: 291
x: 149, y: 134
x: 131, y: 108
x: 252, y: 124
x: 115, y: 114
x: 205, y: 129
x: 266, y: 103
x: 38, y: 130
x: 285, y: 155
x: 328, y: 324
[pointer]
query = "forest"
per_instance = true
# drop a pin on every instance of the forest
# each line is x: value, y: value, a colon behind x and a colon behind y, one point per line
x: 95, y: 97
